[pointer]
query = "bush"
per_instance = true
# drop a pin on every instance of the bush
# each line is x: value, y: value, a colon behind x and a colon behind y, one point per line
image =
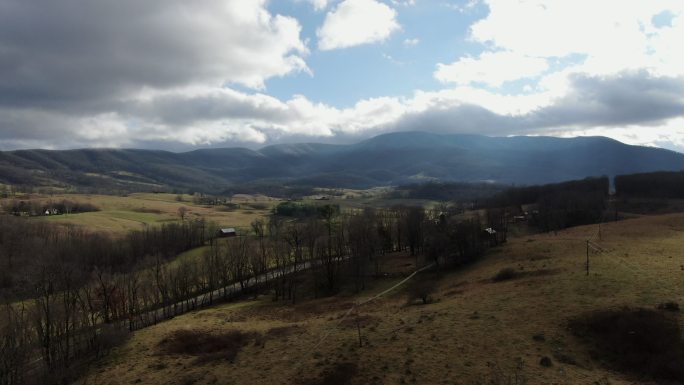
x: 109, y: 337
x: 292, y: 209
x: 505, y: 274
x: 146, y: 210
x: 339, y: 374
x: 423, y: 287
x: 669, y: 306
x: 258, y: 206
x: 498, y: 376
x: 228, y: 207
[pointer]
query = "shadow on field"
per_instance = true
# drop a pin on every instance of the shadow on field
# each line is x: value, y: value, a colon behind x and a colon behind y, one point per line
x: 338, y: 374
x: 641, y: 342
x: 206, y: 346
x: 509, y: 273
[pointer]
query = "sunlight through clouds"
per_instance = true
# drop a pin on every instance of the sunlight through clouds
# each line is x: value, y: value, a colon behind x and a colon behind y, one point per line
x: 221, y: 73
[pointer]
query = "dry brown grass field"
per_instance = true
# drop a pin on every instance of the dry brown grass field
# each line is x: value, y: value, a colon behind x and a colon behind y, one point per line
x: 476, y: 330
x: 119, y: 214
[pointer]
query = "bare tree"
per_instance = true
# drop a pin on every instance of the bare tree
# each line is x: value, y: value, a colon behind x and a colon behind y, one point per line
x: 362, y: 241
x: 415, y: 217
x: 261, y: 257
x: 44, y: 314
x: 182, y: 212
x: 133, y: 288
x: 294, y: 236
x: 14, y: 344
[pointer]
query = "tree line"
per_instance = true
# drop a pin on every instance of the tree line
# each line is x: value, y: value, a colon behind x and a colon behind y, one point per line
x: 27, y: 246
x: 559, y: 205
x: 448, y: 191
x: 33, y: 207
x: 665, y: 184
x: 84, y: 288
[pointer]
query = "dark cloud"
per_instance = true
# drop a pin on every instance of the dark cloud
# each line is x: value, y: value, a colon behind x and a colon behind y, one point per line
x: 465, y: 118
x: 625, y: 99
x: 83, y: 56
x: 184, y: 109
x: 635, y: 98
x: 155, y: 74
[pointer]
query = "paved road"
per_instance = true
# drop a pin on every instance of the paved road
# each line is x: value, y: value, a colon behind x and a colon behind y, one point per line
x: 207, y: 299
x: 155, y: 316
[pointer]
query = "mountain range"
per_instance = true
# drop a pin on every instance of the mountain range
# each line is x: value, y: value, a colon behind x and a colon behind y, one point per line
x: 389, y: 159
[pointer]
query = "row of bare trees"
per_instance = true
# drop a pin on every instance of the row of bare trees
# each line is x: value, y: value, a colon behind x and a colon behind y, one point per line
x: 27, y: 246
x: 61, y: 284
x: 84, y: 291
x: 34, y: 207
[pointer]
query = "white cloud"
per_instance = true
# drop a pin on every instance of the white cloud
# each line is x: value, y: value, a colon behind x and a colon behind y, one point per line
x: 491, y: 68
x: 356, y: 22
x: 462, y: 8
x: 103, y: 49
x: 411, y: 42
x: 668, y: 135
x: 318, y: 5
x: 405, y: 3
x: 203, y: 115
x: 612, y: 35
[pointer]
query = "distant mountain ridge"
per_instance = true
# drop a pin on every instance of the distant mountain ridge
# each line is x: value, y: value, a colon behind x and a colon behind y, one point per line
x: 389, y: 159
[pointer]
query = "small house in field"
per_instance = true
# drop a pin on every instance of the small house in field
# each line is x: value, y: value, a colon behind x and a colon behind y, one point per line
x: 489, y: 236
x: 227, y: 232
x: 489, y: 231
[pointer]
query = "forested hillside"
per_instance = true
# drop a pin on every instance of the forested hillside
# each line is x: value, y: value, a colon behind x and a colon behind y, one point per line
x: 390, y: 159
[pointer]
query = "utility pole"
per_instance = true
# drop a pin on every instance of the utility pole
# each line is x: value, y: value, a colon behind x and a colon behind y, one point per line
x: 358, y: 328
x: 587, y: 257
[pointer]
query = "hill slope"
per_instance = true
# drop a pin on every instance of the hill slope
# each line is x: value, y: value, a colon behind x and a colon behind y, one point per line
x: 386, y: 159
x: 477, y: 331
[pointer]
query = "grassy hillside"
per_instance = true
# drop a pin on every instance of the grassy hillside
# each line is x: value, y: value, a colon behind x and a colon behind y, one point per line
x: 478, y: 330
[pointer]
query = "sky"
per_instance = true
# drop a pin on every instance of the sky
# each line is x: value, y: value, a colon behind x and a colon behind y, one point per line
x: 179, y: 75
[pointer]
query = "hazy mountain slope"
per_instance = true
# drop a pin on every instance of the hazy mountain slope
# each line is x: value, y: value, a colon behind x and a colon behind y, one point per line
x: 386, y: 159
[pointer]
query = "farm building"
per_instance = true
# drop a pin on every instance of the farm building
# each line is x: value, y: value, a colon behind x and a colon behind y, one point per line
x: 490, y: 236
x: 227, y: 232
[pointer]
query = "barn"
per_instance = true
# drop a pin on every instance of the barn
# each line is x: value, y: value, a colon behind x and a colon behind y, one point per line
x: 226, y: 232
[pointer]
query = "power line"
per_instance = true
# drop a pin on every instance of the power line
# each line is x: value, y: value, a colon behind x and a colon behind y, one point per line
x: 357, y: 305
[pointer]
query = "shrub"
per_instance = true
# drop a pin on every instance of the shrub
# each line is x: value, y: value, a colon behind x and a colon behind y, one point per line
x: 423, y: 287
x: 146, y: 210
x: 669, y: 306
x: 339, y: 374
x: 546, y: 362
x: 283, y: 331
x: 259, y: 206
x: 498, y: 376
x: 505, y: 274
